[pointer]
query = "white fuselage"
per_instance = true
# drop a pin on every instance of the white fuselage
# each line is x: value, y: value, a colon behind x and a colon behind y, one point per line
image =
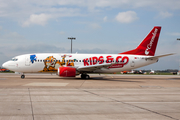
x: 50, y: 62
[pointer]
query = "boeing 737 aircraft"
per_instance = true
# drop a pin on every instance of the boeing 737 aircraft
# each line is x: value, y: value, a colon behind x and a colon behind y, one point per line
x: 70, y: 65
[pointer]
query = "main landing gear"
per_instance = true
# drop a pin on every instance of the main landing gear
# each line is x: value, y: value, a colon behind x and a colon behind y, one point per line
x: 22, y: 76
x: 85, y: 76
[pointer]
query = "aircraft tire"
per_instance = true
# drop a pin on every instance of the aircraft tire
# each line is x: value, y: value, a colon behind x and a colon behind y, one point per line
x: 22, y: 76
x: 87, y: 76
x: 84, y: 76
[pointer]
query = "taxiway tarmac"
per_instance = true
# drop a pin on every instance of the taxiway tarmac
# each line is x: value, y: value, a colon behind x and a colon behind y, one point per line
x: 103, y: 97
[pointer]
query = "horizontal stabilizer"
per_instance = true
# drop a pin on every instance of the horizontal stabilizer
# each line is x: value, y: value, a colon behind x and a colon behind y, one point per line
x: 160, y: 56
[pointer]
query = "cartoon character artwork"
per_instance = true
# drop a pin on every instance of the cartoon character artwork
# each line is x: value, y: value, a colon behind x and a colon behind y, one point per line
x: 49, y: 63
x: 33, y: 58
x: 52, y: 64
x: 69, y: 62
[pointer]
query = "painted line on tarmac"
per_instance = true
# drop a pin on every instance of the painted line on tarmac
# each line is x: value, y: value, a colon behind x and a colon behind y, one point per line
x: 46, y: 84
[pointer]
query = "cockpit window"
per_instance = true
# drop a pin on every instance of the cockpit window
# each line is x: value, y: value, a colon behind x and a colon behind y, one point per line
x: 14, y: 59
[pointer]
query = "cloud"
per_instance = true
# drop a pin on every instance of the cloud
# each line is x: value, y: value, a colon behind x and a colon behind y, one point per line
x: 24, y: 8
x: 165, y: 14
x: 174, y: 4
x: 95, y: 26
x: 49, y: 13
x: 40, y: 19
x: 126, y: 17
x: 95, y: 50
x: 40, y: 47
x: 105, y: 19
x: 36, y: 12
x: 175, y: 34
x: 62, y: 33
x: 11, y: 37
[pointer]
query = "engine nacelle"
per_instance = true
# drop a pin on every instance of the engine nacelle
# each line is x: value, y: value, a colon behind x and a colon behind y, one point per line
x: 66, y: 72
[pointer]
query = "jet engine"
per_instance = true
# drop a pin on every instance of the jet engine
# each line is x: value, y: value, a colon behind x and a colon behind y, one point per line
x: 66, y: 71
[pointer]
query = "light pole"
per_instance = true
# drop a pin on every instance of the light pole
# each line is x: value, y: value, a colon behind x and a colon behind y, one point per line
x: 179, y: 60
x: 71, y: 41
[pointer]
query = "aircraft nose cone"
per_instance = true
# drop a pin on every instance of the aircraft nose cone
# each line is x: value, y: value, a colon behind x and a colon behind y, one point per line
x: 4, y: 65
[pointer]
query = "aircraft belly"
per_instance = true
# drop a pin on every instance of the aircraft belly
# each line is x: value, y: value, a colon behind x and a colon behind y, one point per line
x: 110, y: 70
x: 139, y: 63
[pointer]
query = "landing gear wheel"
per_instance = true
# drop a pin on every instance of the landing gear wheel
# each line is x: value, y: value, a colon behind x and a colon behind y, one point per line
x: 84, y: 76
x: 87, y: 76
x: 22, y: 76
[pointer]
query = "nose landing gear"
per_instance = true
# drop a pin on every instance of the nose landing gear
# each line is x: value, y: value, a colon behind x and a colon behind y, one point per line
x: 22, y: 76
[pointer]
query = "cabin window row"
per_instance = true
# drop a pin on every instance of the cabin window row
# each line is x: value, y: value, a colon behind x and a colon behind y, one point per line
x: 74, y: 61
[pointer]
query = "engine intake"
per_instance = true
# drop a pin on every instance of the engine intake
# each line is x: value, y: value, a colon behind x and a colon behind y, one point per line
x: 66, y: 72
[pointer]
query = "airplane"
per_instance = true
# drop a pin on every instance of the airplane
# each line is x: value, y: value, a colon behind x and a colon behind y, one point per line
x: 71, y: 65
x: 152, y: 72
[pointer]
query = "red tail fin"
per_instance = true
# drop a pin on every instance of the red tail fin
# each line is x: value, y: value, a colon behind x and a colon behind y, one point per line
x: 148, y: 45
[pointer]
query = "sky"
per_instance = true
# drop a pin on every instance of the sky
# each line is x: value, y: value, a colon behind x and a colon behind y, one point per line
x: 99, y: 26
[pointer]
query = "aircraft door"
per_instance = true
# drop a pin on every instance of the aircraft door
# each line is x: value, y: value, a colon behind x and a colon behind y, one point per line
x: 133, y: 63
x: 27, y: 61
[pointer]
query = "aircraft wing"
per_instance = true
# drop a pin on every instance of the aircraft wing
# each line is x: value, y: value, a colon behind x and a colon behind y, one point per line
x: 95, y: 67
x: 157, y: 57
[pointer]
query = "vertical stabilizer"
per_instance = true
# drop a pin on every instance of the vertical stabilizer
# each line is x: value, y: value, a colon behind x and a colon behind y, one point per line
x: 148, y: 45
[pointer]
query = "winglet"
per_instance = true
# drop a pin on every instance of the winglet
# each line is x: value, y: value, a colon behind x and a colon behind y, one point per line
x: 148, y: 45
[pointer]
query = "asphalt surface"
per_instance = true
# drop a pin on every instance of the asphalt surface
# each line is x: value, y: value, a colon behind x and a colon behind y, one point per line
x: 103, y: 97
